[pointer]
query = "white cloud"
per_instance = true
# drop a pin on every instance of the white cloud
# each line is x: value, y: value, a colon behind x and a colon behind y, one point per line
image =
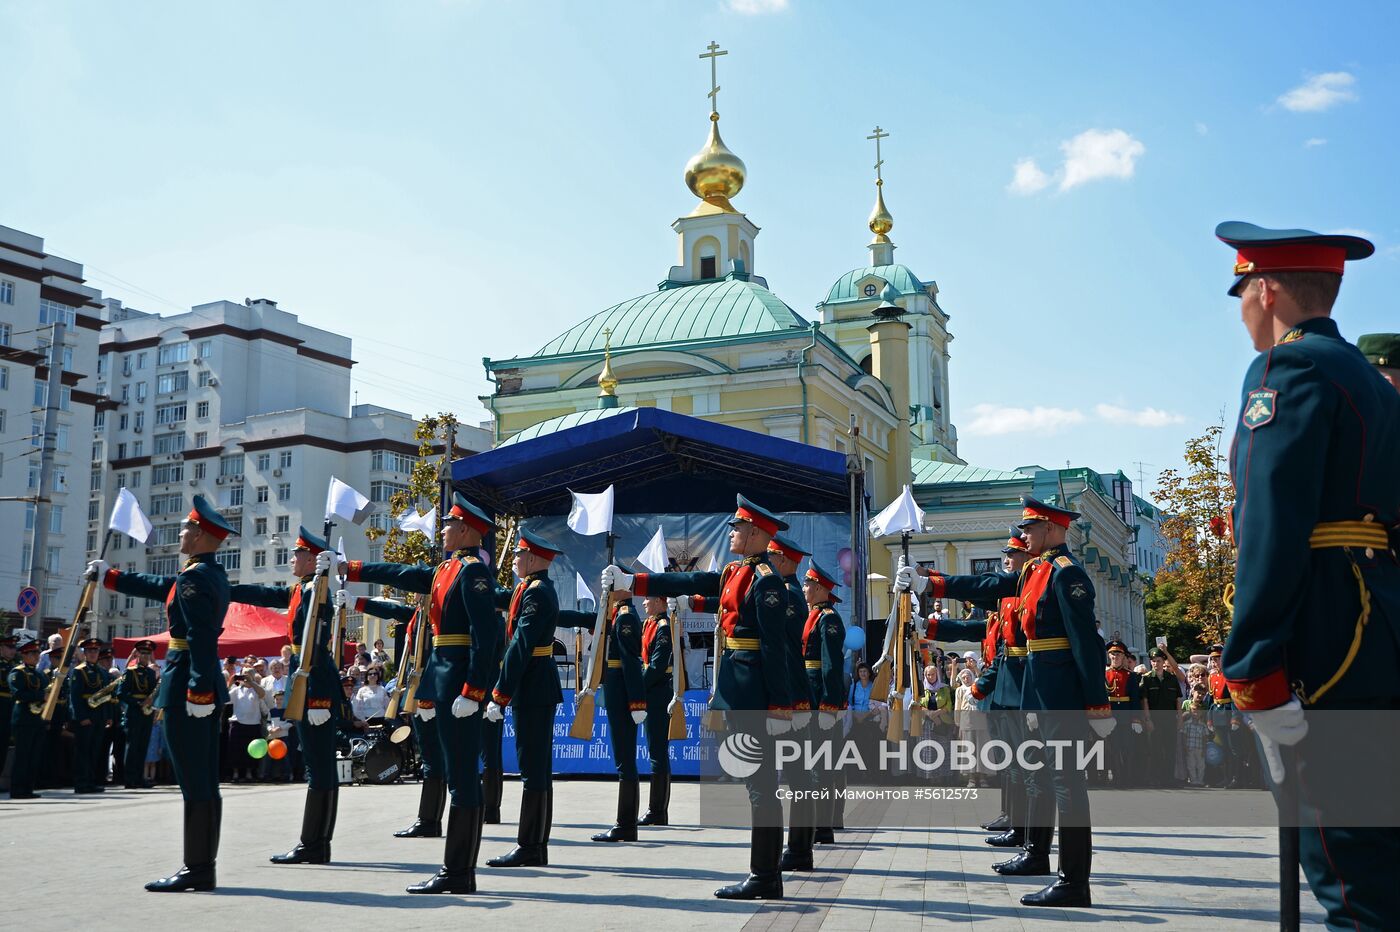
x: 1202, y: 129
x: 1320, y: 92
x: 990, y: 420
x: 1147, y: 417
x: 1027, y: 178
x: 1097, y: 153
x: 755, y: 7
x: 1314, y: 142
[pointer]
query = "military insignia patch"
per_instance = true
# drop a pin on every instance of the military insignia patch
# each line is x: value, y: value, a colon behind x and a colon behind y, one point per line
x: 1062, y: 562
x: 833, y: 629
x: 772, y: 599
x: 481, y: 585
x: 1259, y: 408
x: 1290, y: 337
x: 1078, y: 591
x: 189, y: 591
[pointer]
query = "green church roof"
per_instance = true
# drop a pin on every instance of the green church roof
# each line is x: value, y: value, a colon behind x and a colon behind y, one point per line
x: 929, y: 472
x: 563, y: 422
x: 704, y: 311
x: 900, y: 276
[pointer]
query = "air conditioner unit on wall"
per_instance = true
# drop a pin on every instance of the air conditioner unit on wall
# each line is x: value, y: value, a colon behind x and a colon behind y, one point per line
x: 193, y: 483
x: 219, y: 480
x: 277, y: 472
x: 212, y: 383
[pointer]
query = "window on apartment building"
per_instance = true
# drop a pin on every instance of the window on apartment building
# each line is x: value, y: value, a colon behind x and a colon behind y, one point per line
x: 171, y: 503
x: 201, y: 409
x: 284, y: 524
x: 141, y: 391
x: 235, y: 496
x: 231, y: 464
x: 2, y: 420
x: 164, y: 566
x: 121, y: 451
x: 284, y: 491
x: 111, y: 603
x: 7, y: 293
x: 381, y: 490
x: 95, y: 484
x: 172, y: 353
x: 123, y: 421
x: 140, y: 421
x: 172, y: 382
x: 205, y: 349
x: 164, y: 534
x: 94, y: 510
x: 264, y: 461
x: 117, y: 541
x: 5, y: 374
x: 165, y: 473
x: 260, y: 526
x: 259, y: 559
x: 138, y: 447
x: 201, y: 439
x: 25, y: 553
x: 67, y: 354
x: 284, y: 459
x: 280, y: 556
x: 391, y: 462
x: 140, y: 361
x: 199, y: 470
x: 229, y: 559
x: 36, y: 432
x: 99, y: 420
x: 171, y: 413
x: 91, y: 541
x: 136, y: 475
x: 204, y: 376
x: 102, y: 363
x: 171, y: 443
x: 52, y: 312
x: 97, y: 452
x: 262, y: 494
x: 41, y: 396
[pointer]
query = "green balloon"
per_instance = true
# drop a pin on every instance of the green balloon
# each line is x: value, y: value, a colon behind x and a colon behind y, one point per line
x: 257, y: 748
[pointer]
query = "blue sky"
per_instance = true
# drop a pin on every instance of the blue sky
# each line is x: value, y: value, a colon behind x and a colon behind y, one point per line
x: 460, y: 179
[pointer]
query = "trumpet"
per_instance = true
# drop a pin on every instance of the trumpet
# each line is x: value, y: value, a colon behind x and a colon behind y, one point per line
x: 106, y: 694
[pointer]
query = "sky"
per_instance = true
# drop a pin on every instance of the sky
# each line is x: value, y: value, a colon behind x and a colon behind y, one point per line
x: 444, y: 180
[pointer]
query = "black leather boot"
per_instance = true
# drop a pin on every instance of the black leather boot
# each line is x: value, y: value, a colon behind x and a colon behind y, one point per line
x: 765, y: 880
x: 430, y: 803
x: 658, y: 801
x: 1013, y: 838
x: 529, y: 850
x: 548, y: 823
x: 625, y: 828
x: 492, y: 787
x: 1001, y: 823
x: 458, y: 872
x: 1035, y: 860
x: 313, y: 848
x: 1072, y: 887
x: 798, y: 854
x: 201, y: 843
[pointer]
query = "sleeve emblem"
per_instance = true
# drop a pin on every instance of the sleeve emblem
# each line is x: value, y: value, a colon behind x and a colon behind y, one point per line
x: 189, y: 591
x: 1259, y: 408
x: 772, y: 599
x: 481, y: 585
x: 1078, y: 590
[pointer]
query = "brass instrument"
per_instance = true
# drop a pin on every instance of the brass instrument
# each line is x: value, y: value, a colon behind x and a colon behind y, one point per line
x: 106, y: 694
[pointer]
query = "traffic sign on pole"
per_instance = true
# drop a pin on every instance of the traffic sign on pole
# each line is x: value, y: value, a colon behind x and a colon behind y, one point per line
x: 28, y: 602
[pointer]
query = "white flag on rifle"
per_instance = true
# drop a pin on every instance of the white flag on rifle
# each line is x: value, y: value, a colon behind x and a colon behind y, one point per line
x: 592, y: 514
x: 426, y: 524
x: 653, y: 557
x: 128, y: 518
x: 581, y: 591
x: 344, y: 502
x: 900, y: 515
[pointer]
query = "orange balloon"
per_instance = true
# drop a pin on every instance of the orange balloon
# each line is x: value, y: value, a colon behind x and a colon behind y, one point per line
x: 276, y: 749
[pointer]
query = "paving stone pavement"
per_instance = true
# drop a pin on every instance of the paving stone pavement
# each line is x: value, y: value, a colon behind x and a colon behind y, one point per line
x: 84, y: 859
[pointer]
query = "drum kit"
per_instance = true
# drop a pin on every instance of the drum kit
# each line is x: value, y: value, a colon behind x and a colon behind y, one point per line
x: 386, y: 754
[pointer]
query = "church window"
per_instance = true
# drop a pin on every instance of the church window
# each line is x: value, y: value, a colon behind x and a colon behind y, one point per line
x: 708, y: 267
x: 870, y: 290
x: 867, y: 365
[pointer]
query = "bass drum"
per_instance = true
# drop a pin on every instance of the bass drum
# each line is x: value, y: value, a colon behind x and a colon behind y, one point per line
x: 383, y: 762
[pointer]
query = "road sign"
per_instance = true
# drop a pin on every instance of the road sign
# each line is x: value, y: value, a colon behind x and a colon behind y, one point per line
x: 28, y: 601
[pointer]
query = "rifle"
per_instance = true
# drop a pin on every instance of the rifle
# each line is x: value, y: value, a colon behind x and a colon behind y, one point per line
x: 60, y: 670
x: 585, y: 709
x: 677, y: 729
x: 419, y: 657
x: 900, y: 671
x: 881, y: 686
x: 714, y: 719
x: 296, y: 691
x: 410, y: 663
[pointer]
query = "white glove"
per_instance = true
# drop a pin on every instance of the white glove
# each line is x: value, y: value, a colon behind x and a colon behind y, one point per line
x: 615, y: 577
x: 463, y: 707
x: 425, y: 713
x: 342, y: 599
x: 586, y: 692
x: 906, y: 578
x: 827, y: 720
x: 1032, y: 721
x: 1137, y: 728
x: 494, y: 713
x: 323, y: 561
x: 778, y: 726
x: 673, y: 605
x: 318, y: 716
x: 1283, y: 726
x: 638, y: 717
x: 96, y: 570
x: 1102, y: 726
x: 801, y: 720
x: 198, y: 710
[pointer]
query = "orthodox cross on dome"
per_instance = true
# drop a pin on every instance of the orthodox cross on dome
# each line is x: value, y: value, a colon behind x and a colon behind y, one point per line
x: 878, y: 135
x: 713, y: 53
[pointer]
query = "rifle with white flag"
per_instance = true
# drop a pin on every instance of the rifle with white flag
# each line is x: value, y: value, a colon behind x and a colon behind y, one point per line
x: 593, y: 514
x: 676, y: 730
x: 127, y: 518
x: 902, y: 516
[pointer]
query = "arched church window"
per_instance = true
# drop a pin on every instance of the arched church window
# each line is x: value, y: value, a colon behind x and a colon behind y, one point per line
x: 867, y: 364
x: 709, y: 267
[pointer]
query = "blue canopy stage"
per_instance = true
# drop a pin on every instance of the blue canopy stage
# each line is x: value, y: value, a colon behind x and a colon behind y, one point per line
x: 659, y: 461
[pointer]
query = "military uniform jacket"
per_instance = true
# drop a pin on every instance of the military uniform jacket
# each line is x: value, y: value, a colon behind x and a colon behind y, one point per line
x: 462, y: 596
x: 138, y: 683
x: 753, y: 673
x: 5, y: 667
x: 323, y: 685
x: 1003, y: 679
x: 823, y: 650
x: 796, y: 626
x: 1161, y: 692
x: 1124, y: 688
x: 27, y: 686
x: 1318, y: 441
x: 85, y: 680
x: 529, y: 676
x: 1065, y: 666
x: 195, y: 603
x: 622, y: 650
x: 657, y: 657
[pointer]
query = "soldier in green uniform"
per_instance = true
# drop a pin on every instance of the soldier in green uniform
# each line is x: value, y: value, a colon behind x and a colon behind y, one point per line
x: 8, y: 661
x: 624, y: 702
x: 28, y: 688
x: 137, y: 687
x: 462, y: 599
x: 529, y: 684
x: 1382, y: 350
x: 316, y: 732
x: 432, y: 795
x: 1161, y: 693
x: 87, y: 679
x: 1317, y: 582
x: 823, y: 655
x: 753, y: 674
x: 192, y: 689
x: 658, y: 655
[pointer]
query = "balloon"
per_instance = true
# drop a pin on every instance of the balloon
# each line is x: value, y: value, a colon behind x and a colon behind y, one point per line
x: 1214, y: 755
x: 257, y: 748
x: 276, y: 749
x: 855, y: 638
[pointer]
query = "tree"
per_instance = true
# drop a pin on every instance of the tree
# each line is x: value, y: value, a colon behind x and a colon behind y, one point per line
x: 1188, y: 604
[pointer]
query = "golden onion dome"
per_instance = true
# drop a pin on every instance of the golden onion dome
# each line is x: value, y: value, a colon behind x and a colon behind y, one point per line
x: 715, y: 174
x: 881, y: 222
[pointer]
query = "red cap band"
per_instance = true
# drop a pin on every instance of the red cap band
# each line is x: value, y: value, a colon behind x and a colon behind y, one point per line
x: 819, y: 579
x: 457, y: 511
x: 1018, y: 543
x: 537, y: 551
x: 304, y: 544
x: 793, y: 555
x: 207, y: 527
x: 1035, y: 514
x: 1298, y: 257
x: 762, y: 522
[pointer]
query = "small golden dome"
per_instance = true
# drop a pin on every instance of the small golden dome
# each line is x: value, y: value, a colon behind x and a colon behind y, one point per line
x: 881, y: 222
x: 715, y: 174
x: 607, y: 381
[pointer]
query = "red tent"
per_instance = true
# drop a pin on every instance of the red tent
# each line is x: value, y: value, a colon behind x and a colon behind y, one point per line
x: 248, y: 629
